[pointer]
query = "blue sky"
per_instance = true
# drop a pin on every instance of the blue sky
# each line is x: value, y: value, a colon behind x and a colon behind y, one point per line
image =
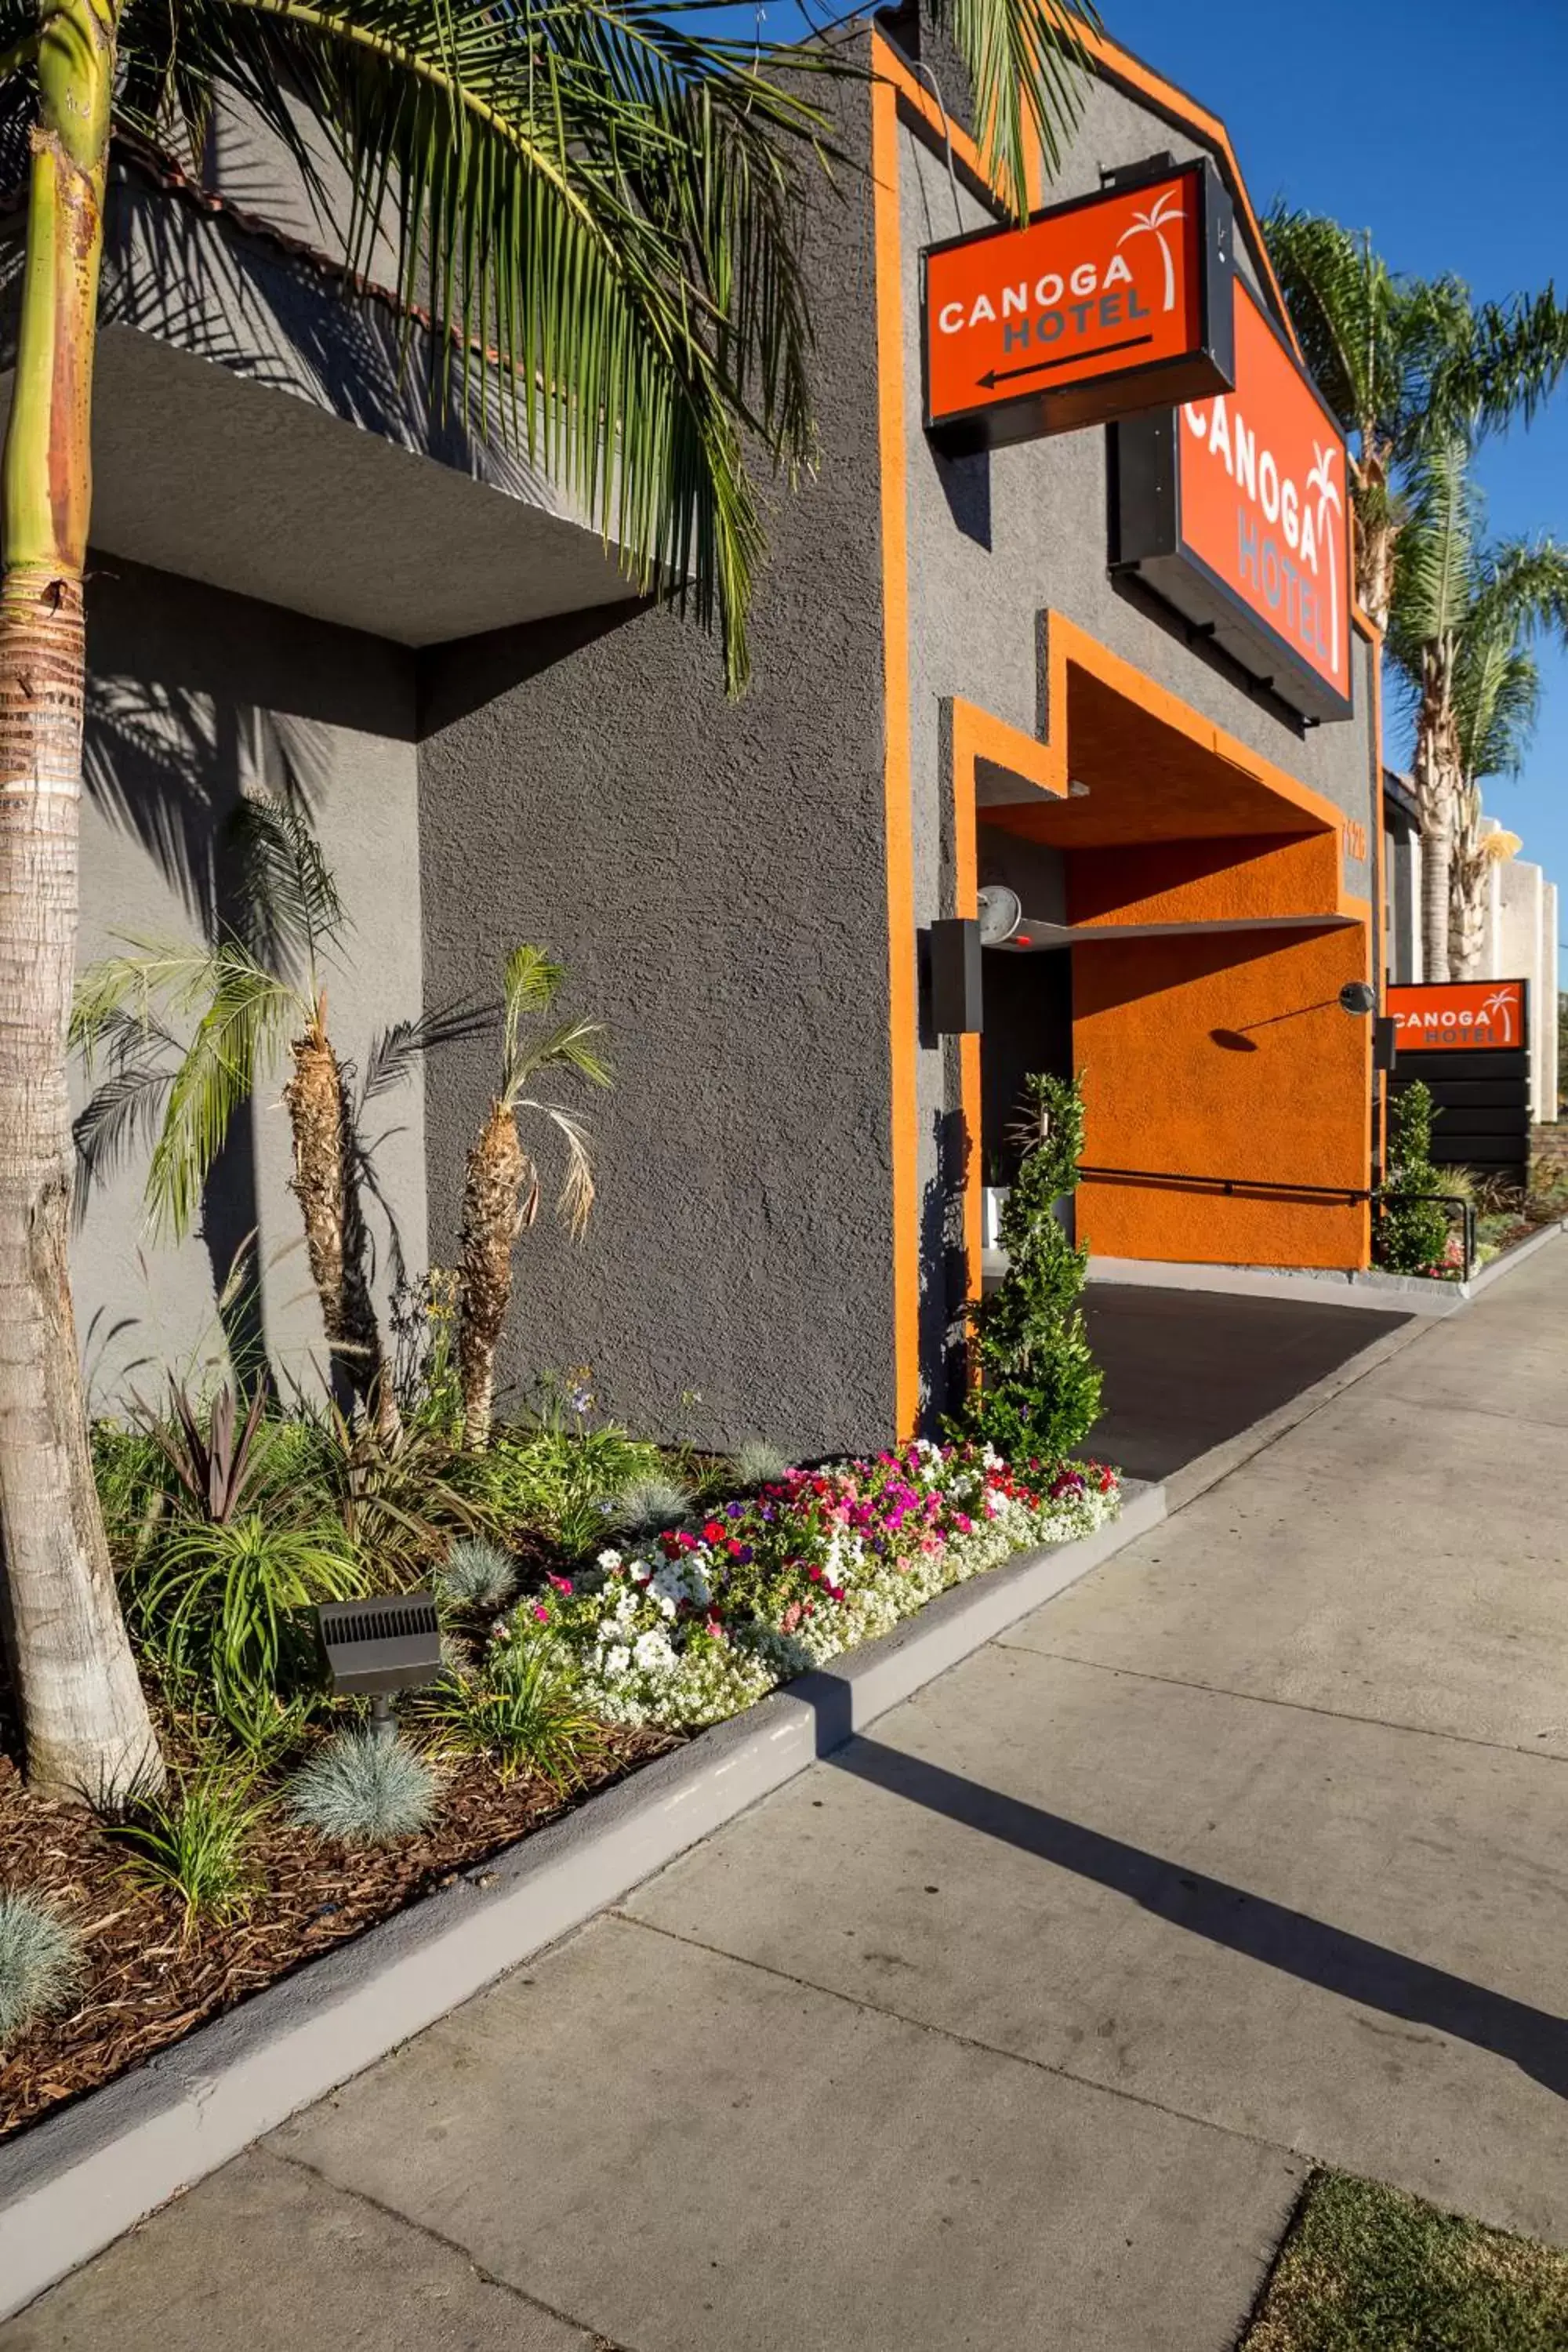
x: 1444, y: 130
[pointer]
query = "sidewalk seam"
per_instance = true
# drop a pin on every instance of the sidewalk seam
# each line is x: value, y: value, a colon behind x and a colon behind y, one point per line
x: 960, y: 2040
x: 1258, y: 1698
x: 595, y: 2336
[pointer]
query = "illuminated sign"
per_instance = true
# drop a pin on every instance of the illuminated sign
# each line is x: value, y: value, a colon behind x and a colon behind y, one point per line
x: 1444, y: 1016
x: 1234, y: 509
x: 1097, y: 309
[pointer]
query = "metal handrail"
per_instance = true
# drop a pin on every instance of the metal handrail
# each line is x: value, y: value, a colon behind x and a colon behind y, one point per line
x: 1379, y: 1197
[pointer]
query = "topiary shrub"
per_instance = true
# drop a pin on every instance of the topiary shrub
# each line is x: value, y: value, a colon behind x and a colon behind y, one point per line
x: 1039, y: 1385
x: 40, y: 1963
x: 1412, y: 1233
x: 361, y: 1790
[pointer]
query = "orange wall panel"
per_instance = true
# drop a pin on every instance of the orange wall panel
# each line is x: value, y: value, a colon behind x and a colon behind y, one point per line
x: 1214, y: 1057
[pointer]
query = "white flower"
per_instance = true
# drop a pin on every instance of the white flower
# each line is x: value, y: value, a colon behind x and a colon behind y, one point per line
x: 617, y: 1661
x: 652, y: 1650
x: 609, y: 1561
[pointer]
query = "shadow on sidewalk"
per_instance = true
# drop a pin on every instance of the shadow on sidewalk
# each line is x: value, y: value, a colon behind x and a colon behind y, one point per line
x: 1291, y: 1941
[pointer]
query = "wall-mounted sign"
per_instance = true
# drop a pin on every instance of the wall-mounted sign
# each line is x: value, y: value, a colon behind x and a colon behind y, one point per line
x: 1234, y: 509
x: 1443, y: 1016
x: 1097, y: 309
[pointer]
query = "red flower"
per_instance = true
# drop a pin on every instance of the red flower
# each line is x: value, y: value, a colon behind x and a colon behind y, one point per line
x: 712, y: 1529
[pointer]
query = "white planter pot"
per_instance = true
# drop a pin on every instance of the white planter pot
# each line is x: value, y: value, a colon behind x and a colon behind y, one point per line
x: 992, y: 1200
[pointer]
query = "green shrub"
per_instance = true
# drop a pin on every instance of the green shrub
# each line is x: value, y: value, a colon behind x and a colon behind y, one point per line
x: 1039, y: 1392
x: 40, y: 1962
x: 226, y: 1606
x: 476, y: 1574
x: 360, y: 1790
x: 522, y: 1711
x: 1413, y: 1232
x: 192, y: 1841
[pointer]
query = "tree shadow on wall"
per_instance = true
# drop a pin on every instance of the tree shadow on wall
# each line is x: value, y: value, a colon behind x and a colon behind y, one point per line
x: 169, y: 769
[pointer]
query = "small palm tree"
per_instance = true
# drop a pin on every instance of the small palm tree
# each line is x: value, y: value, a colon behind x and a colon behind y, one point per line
x: 260, y: 990
x: 1461, y: 618
x: 502, y: 1186
x: 1406, y: 362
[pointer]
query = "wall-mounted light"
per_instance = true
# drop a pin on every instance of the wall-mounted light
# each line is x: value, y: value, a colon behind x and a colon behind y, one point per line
x: 1359, y: 996
x: 1076, y: 791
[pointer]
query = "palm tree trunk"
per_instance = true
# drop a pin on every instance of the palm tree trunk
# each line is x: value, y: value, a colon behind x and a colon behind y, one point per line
x: 83, y: 1713
x: 1375, y: 532
x: 498, y: 1200
x: 1435, y: 770
x: 326, y: 1184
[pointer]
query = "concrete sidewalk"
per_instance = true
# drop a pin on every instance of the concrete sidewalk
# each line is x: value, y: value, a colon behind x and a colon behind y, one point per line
x: 1018, y: 2025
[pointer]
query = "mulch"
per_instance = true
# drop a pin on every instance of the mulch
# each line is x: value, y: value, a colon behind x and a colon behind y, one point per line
x: 148, y: 1984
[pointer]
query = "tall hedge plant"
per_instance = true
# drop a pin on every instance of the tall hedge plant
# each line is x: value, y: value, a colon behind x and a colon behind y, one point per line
x: 1039, y: 1388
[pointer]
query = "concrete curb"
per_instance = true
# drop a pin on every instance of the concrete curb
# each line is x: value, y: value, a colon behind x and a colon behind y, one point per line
x: 1514, y: 1256
x: 78, y: 2181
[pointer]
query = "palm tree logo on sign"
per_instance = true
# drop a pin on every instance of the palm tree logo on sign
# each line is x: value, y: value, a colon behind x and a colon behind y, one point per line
x: 1321, y: 480
x: 1498, y: 1007
x: 1154, y: 223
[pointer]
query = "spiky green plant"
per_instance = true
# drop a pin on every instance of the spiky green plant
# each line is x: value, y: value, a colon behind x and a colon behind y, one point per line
x: 1039, y: 1387
x: 224, y: 1606
x: 194, y: 1842
x: 521, y: 1710
x: 40, y: 1962
x: 649, y: 1505
x: 476, y: 1574
x: 756, y: 1463
x: 360, y: 1790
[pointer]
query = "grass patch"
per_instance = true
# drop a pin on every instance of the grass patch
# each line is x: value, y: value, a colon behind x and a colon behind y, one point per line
x: 1367, y: 2269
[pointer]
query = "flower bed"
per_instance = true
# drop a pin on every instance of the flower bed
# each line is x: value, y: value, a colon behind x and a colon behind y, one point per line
x: 607, y: 1658
x: 702, y: 1621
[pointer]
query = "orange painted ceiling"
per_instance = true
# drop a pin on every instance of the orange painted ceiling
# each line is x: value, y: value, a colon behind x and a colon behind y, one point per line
x: 1147, y: 782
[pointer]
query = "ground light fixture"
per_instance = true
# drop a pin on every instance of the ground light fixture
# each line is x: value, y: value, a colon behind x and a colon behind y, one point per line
x: 373, y: 1648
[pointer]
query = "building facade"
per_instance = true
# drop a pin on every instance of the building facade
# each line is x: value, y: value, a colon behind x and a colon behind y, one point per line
x: 962, y: 683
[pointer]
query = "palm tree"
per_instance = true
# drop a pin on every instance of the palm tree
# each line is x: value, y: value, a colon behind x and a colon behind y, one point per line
x: 259, y: 988
x: 1459, y: 607
x: 501, y: 1186
x: 584, y: 188
x: 1497, y: 695
x: 1405, y: 362
x: 1154, y: 223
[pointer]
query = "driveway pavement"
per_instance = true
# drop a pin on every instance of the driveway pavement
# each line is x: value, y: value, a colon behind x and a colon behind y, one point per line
x: 1016, y: 2026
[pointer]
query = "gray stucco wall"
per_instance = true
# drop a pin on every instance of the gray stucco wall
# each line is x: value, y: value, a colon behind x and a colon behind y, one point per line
x: 193, y: 696
x: 713, y: 875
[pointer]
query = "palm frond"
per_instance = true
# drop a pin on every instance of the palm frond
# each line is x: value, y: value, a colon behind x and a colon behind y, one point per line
x: 1437, y: 556
x: 574, y: 1045
x: 291, y: 913
x: 575, y: 1198
x: 530, y: 983
x: 394, y: 1051
x: 1025, y: 60
x: 126, y: 1109
x: 238, y: 1039
x: 1489, y: 364
x: 1343, y: 302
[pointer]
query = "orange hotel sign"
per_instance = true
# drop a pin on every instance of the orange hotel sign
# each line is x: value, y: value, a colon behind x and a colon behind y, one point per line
x: 1097, y: 308
x: 1459, y: 1016
x: 1234, y: 509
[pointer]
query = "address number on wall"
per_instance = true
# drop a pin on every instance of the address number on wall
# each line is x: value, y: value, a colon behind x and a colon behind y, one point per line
x: 1355, y: 839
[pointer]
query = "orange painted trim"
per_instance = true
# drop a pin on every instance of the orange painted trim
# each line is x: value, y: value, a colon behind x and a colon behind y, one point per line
x: 1367, y: 628
x: 1113, y: 64
x: 978, y: 735
x: 1067, y: 644
x: 896, y: 785
x: 966, y: 904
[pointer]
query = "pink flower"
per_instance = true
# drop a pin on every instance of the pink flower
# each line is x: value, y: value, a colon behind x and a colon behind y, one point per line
x: 542, y: 1613
x: 561, y: 1584
x: 792, y: 1617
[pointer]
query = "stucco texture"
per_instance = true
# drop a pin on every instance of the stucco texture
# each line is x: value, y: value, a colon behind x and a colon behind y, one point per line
x: 713, y: 874
x: 194, y: 697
